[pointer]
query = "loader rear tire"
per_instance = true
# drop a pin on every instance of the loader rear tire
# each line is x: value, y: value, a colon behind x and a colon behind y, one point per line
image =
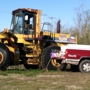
x: 46, y: 61
x: 4, y: 57
x: 27, y: 66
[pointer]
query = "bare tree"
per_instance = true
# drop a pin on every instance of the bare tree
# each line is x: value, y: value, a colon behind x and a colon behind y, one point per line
x: 82, y: 25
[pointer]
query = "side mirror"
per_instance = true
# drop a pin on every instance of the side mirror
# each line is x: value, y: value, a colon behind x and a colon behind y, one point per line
x: 26, y: 17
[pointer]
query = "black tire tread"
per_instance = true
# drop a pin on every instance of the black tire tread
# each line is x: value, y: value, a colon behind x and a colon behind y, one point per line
x: 45, y: 57
x: 80, y: 65
x: 6, y: 62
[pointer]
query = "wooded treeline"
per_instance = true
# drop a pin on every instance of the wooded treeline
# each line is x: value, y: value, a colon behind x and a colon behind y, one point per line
x: 81, y: 26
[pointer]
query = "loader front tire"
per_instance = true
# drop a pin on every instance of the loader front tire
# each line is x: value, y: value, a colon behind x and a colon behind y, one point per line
x: 47, y: 62
x: 4, y: 57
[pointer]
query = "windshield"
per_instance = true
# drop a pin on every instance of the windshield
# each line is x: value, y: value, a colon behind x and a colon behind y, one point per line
x: 17, y: 23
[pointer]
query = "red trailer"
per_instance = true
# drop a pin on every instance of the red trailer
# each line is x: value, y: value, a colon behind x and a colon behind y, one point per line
x: 76, y: 55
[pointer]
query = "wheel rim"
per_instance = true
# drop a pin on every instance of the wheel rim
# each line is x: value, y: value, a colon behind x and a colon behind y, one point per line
x: 86, y: 67
x: 55, y: 63
x: 1, y: 57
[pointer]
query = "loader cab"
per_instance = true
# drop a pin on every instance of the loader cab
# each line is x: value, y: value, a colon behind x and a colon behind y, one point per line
x: 25, y: 21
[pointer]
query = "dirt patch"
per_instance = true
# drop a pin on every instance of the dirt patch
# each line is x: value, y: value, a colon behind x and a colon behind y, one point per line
x: 38, y: 80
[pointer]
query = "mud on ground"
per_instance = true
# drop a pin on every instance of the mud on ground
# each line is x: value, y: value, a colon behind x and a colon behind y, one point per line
x: 22, y: 79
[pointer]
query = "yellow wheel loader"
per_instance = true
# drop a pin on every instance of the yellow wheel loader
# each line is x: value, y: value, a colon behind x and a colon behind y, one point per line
x: 26, y: 43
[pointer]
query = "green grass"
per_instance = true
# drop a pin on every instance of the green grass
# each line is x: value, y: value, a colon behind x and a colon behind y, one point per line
x: 31, y: 72
x: 34, y: 79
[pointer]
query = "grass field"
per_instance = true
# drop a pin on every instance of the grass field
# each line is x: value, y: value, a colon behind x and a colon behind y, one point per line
x: 22, y: 79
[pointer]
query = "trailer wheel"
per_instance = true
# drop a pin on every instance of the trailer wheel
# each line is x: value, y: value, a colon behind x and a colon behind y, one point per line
x: 84, y: 66
x: 47, y: 62
x: 5, y: 57
x: 63, y: 66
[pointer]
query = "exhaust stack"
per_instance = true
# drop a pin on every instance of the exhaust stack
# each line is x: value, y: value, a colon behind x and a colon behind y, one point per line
x: 58, y: 26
